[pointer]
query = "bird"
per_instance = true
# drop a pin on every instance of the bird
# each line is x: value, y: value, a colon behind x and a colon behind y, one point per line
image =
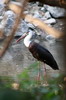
x: 38, y: 51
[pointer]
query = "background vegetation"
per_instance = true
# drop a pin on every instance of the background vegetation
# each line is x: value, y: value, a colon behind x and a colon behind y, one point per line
x: 27, y: 87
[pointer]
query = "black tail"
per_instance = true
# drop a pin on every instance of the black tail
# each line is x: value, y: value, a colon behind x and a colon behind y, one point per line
x: 53, y: 64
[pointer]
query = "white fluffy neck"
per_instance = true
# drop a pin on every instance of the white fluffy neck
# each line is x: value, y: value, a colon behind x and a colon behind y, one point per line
x: 27, y: 40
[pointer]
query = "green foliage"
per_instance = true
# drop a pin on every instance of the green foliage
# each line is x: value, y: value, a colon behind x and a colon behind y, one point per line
x: 51, y: 92
x: 5, y: 82
x: 26, y: 78
x: 10, y: 94
x: 30, y: 88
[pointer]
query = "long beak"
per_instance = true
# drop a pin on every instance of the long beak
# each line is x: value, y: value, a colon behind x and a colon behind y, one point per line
x: 22, y: 37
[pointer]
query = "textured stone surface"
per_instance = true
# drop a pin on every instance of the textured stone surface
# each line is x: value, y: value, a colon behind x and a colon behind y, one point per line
x: 56, y: 12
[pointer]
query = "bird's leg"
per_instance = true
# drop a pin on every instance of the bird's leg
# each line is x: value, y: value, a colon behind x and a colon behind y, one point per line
x: 44, y: 69
x: 38, y: 77
x: 45, y: 74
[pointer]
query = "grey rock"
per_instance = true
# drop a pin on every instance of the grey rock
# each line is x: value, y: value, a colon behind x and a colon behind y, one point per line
x: 56, y: 12
x: 47, y: 15
x: 50, y: 39
x: 42, y: 9
x: 50, y: 21
x: 30, y: 25
x: 1, y: 17
x: 2, y: 9
x: 7, y: 22
x: 23, y: 28
x: 37, y: 14
x: 37, y: 3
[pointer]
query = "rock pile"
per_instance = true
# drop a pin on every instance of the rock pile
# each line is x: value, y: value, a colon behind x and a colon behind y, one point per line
x: 45, y: 13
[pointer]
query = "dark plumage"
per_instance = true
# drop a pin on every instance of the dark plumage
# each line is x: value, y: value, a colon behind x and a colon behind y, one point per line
x: 39, y: 52
x: 43, y: 55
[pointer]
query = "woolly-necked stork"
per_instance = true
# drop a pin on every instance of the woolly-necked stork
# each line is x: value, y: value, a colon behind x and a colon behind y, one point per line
x: 38, y: 51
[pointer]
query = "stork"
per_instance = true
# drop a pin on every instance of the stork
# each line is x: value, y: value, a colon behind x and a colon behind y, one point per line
x: 38, y: 51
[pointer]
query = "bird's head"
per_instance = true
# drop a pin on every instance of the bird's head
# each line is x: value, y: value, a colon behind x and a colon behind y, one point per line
x: 30, y: 32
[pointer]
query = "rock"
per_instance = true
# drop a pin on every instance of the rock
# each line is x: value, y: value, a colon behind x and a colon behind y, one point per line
x: 8, y: 22
x: 50, y: 39
x: 56, y: 12
x: 50, y: 21
x: 30, y: 25
x: 2, y: 9
x: 1, y: 17
x: 42, y: 9
x: 37, y: 3
x: 47, y: 15
x: 37, y: 14
x: 23, y: 28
